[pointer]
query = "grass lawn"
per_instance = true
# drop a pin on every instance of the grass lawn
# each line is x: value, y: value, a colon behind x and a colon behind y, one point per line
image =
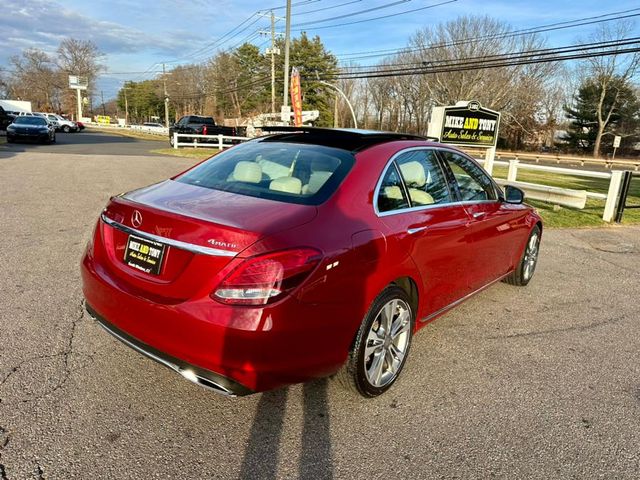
x: 591, y: 215
x: 198, y: 153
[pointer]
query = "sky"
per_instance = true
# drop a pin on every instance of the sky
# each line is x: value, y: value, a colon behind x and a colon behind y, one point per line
x: 138, y: 36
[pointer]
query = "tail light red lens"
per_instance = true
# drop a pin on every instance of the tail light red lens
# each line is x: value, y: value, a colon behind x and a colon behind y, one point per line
x: 204, y: 130
x: 264, y: 279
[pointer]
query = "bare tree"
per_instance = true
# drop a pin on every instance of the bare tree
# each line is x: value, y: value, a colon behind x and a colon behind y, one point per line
x: 77, y: 57
x: 610, y: 73
x: 36, y: 79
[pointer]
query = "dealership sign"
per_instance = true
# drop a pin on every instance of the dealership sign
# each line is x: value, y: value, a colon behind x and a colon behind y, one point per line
x: 466, y: 123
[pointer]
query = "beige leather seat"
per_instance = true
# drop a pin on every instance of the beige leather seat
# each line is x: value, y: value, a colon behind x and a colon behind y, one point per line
x: 416, y: 178
x: 287, y: 184
x: 249, y: 172
x: 316, y: 181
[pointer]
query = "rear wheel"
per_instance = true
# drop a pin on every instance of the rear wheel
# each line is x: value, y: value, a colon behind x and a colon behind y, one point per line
x: 171, y: 140
x: 381, y: 346
x: 522, y: 275
x: 66, y: 129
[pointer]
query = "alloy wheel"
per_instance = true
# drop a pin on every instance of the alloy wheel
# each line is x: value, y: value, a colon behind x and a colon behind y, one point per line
x: 531, y: 256
x: 387, y: 343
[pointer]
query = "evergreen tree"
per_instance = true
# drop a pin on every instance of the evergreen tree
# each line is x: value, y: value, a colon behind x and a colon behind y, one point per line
x: 618, y: 98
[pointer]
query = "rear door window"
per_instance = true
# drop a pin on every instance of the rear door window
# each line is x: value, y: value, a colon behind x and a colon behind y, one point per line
x: 425, y: 181
x: 473, y: 183
x: 288, y: 172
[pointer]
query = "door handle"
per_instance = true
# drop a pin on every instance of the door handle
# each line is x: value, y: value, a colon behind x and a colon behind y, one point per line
x: 479, y: 214
x: 411, y: 231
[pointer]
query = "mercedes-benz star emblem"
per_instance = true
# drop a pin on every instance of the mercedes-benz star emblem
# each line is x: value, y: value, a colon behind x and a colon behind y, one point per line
x: 136, y: 218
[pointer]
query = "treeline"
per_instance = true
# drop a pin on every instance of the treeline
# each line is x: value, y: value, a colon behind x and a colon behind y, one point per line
x: 43, y: 79
x: 553, y: 105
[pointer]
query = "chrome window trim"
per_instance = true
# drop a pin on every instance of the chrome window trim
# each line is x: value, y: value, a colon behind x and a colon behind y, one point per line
x: 214, y: 252
x: 376, y: 192
x: 391, y: 161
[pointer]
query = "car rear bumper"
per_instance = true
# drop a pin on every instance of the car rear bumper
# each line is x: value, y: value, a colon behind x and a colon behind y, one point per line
x: 193, y: 373
x: 237, y: 349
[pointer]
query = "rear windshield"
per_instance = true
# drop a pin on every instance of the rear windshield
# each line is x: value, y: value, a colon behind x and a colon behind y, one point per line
x: 31, y: 120
x: 288, y: 172
x: 202, y: 120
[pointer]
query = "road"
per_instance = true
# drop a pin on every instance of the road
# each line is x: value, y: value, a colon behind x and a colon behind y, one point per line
x: 537, y: 382
x: 89, y: 143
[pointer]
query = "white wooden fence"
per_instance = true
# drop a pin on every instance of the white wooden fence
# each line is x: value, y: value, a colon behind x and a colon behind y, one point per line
x: 195, y: 142
x: 564, y: 196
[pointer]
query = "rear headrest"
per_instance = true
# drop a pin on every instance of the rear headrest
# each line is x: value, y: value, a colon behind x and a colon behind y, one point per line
x: 317, y: 180
x: 249, y: 172
x: 286, y: 184
x: 413, y: 173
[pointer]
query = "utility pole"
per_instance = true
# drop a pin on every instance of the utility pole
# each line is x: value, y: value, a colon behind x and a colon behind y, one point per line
x: 287, y: 37
x: 104, y: 110
x: 126, y: 106
x: 273, y: 51
x: 166, y: 97
x: 273, y: 62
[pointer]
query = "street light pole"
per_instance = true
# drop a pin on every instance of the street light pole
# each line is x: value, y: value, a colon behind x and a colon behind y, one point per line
x: 331, y: 85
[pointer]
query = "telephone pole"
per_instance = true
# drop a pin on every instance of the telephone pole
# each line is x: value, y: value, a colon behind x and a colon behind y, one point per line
x: 104, y: 110
x: 287, y: 36
x: 166, y: 97
x: 273, y: 51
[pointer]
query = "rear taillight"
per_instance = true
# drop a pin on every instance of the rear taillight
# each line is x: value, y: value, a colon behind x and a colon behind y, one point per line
x: 267, y: 278
x: 204, y: 130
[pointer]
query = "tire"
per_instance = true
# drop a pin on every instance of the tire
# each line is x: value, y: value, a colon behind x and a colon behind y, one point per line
x: 53, y: 140
x: 523, y: 274
x: 359, y: 374
x: 171, y: 140
x: 66, y: 129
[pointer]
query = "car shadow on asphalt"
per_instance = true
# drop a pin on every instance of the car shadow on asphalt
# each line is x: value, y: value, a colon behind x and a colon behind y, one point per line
x: 261, y: 453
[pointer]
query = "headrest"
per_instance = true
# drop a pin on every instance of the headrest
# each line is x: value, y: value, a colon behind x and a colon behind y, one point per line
x: 249, y: 172
x: 286, y: 184
x: 413, y: 174
x: 317, y: 180
x: 393, y: 193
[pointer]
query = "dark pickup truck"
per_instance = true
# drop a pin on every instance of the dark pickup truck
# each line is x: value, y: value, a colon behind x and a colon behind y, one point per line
x: 198, y: 125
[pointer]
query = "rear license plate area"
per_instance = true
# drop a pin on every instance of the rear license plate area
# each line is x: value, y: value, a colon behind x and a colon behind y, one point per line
x: 144, y: 254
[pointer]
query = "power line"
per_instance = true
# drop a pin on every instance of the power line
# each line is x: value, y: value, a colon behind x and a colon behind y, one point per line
x: 379, y: 18
x: 571, y: 52
x: 508, y: 55
x: 326, y: 8
x: 527, y: 31
x: 352, y: 14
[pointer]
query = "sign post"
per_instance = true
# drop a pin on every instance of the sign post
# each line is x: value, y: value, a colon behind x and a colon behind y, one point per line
x: 616, y: 145
x: 468, y: 124
x: 78, y: 83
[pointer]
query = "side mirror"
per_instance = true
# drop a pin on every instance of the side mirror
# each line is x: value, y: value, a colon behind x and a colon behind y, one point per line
x: 513, y: 195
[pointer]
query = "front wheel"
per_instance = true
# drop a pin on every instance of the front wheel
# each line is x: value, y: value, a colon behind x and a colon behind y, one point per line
x: 523, y: 273
x: 381, y: 345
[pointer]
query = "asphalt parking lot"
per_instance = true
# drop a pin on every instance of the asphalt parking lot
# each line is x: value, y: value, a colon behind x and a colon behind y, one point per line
x: 90, y: 143
x: 537, y: 382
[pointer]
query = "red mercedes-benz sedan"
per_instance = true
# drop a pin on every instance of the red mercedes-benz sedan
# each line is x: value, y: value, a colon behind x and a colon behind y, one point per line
x: 302, y: 254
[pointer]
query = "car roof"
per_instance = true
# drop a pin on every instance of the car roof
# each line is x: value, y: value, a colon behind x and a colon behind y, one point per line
x: 350, y: 139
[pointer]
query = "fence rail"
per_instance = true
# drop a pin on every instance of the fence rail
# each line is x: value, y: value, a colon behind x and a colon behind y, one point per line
x: 538, y: 157
x: 565, y: 196
x: 195, y: 143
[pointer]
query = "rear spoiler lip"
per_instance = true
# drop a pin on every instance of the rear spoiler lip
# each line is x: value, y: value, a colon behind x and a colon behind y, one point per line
x: 190, y: 247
